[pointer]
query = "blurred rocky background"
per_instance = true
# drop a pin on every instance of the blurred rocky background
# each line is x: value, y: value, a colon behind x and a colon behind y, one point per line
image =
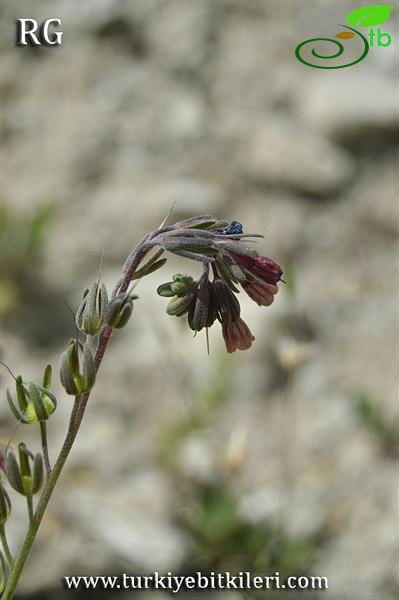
x: 284, y: 457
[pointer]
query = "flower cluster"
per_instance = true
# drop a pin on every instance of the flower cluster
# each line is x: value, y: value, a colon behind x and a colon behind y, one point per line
x: 228, y: 262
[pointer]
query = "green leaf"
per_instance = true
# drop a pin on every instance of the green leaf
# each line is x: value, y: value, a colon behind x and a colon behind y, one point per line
x: 368, y: 16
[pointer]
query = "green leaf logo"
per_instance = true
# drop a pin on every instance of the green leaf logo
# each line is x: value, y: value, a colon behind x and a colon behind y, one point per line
x: 368, y: 16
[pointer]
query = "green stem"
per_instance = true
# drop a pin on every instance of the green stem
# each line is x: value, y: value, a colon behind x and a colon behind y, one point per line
x: 75, y: 421
x: 43, y: 433
x: 29, y: 501
x: 6, y: 547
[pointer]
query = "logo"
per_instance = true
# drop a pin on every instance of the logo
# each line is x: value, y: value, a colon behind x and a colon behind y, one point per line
x: 32, y: 33
x: 368, y: 16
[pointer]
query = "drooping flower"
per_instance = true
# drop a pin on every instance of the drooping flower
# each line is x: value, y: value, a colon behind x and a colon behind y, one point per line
x: 237, y: 335
x: 222, y: 246
x: 261, y: 267
x: 260, y: 292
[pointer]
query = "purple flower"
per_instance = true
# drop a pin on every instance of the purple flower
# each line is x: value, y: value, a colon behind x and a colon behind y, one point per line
x: 261, y: 267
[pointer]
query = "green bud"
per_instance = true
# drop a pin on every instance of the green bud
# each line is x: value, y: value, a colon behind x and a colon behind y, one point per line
x: 13, y: 473
x: 180, y: 287
x: 182, y: 278
x: 21, y: 476
x: 5, y: 504
x: 42, y: 402
x: 90, y: 314
x: 36, y: 402
x: 119, y: 311
x: 77, y: 378
x: 178, y: 306
x: 165, y: 290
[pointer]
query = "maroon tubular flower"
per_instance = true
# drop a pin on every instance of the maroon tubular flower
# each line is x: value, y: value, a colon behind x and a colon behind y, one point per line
x: 237, y: 335
x: 260, y: 292
x: 262, y: 267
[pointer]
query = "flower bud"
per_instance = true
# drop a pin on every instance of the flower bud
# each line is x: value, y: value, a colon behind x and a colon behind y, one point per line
x: 22, y: 477
x: 5, y: 504
x: 119, y: 311
x: 182, y: 284
x: 90, y: 314
x: 165, y: 290
x: 178, y: 306
x: 41, y: 405
x: 77, y: 378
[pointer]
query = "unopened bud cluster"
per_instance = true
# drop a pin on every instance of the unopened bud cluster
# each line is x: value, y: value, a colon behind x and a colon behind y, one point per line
x: 25, y: 475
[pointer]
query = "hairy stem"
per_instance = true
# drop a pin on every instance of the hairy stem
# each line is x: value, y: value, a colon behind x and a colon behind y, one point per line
x: 76, y: 418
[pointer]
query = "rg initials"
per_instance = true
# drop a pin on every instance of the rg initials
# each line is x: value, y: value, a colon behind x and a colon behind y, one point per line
x: 32, y: 33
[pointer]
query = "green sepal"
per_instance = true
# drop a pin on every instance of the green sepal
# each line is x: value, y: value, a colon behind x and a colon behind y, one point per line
x: 119, y: 311
x: 178, y: 306
x: 17, y: 414
x: 13, y: 473
x: 153, y: 264
x: 76, y: 379
x: 48, y: 377
x: 165, y: 290
x: 21, y: 393
x: 89, y: 369
x: 24, y: 456
x: 38, y: 473
x: 36, y: 398
x: 5, y: 504
x: 90, y: 314
x: 227, y: 275
x: 67, y: 374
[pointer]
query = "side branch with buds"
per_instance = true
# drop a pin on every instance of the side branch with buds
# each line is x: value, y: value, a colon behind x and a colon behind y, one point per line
x: 227, y: 264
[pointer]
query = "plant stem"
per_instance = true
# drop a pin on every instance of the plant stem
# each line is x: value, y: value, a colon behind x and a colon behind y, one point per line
x: 76, y: 418
x: 6, y: 547
x: 43, y: 433
x: 29, y: 501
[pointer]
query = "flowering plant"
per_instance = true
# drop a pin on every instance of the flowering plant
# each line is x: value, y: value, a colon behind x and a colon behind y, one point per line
x: 227, y: 263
